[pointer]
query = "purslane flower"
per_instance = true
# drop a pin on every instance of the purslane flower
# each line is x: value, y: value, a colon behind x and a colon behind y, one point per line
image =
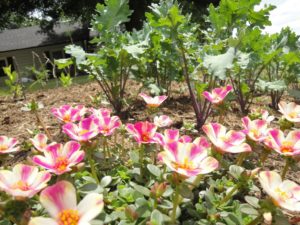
x: 143, y: 132
x: 107, y: 125
x: 217, y: 95
x: 290, y: 111
x: 8, y: 145
x: 102, y: 112
x: 231, y: 141
x: 84, y: 131
x: 256, y: 130
x: 173, y: 135
x: 67, y: 113
x: 60, y: 158
x: 288, y: 146
x: 285, y: 194
x: 153, y: 102
x: 60, y: 202
x: 162, y: 121
x: 23, y: 181
x: 40, y: 142
x: 188, y: 159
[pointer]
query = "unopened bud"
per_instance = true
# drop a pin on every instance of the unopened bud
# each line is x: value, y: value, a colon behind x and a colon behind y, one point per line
x: 158, y: 190
x: 285, y: 124
x: 131, y: 214
x: 267, y: 218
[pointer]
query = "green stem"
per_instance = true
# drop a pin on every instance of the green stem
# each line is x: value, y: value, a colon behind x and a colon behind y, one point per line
x: 155, y: 203
x: 92, y: 165
x: 40, y: 121
x: 141, y: 159
x: 264, y: 156
x: 286, y: 168
x: 241, y: 158
x: 175, y: 204
x: 256, y: 221
x: 106, y: 147
x: 229, y: 195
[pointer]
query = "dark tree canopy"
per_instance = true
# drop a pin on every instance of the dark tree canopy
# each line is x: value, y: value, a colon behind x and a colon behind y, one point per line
x: 15, y: 13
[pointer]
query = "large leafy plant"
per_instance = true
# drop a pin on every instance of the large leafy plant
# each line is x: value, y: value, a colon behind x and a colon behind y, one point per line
x: 160, y: 64
x: 116, y: 51
x: 283, y: 70
x: 236, y: 36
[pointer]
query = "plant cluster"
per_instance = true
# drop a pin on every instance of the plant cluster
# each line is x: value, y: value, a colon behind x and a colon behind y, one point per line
x: 158, y: 176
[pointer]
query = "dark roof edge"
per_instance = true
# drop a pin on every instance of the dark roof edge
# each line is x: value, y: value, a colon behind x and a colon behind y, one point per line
x: 40, y: 46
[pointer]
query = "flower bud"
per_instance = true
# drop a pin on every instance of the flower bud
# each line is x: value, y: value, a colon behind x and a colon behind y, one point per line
x: 158, y: 190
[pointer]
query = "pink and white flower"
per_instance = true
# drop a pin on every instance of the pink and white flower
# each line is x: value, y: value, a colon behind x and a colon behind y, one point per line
x: 265, y: 116
x: 285, y: 194
x: 256, y: 130
x: 39, y: 142
x: 188, y: 159
x: 288, y: 146
x: 84, y: 131
x: 162, y: 121
x: 231, y: 141
x: 144, y: 132
x: 67, y: 113
x: 60, y: 158
x: 217, y: 95
x: 60, y: 202
x: 23, y: 181
x: 8, y: 145
x: 153, y: 102
x: 290, y: 111
x: 107, y: 125
x: 173, y: 135
x: 99, y: 113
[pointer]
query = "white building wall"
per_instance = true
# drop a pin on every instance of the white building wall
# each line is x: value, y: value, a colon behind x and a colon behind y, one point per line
x: 24, y: 57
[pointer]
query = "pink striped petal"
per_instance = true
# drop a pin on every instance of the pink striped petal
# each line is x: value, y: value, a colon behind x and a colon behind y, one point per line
x: 58, y: 197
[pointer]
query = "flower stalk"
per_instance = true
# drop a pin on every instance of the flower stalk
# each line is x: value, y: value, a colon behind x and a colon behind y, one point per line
x: 175, y: 204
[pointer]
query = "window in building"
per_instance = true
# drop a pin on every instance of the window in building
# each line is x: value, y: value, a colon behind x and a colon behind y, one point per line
x: 57, y: 54
x: 3, y: 63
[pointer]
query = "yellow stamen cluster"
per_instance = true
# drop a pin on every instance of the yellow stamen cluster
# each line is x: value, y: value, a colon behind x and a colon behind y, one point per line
x: 83, y: 132
x: 255, y: 133
x: 68, y: 217
x: 3, y: 147
x: 67, y: 118
x: 283, y: 194
x: 61, y: 163
x: 145, y: 137
x: 287, y: 146
x: 22, y: 185
x: 186, y: 164
x: 293, y: 115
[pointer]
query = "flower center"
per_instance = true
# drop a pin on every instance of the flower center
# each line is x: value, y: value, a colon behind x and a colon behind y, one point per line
x: 22, y: 185
x: 287, y: 146
x: 186, y: 164
x: 105, y: 130
x: 61, y: 163
x: 68, y: 217
x: 255, y: 133
x: 67, y: 118
x: 145, y: 138
x: 283, y: 194
x: 152, y: 105
x: 3, y: 147
x: 83, y: 132
x: 293, y: 115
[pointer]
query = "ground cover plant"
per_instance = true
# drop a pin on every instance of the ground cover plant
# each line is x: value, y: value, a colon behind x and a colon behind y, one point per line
x: 99, y: 169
